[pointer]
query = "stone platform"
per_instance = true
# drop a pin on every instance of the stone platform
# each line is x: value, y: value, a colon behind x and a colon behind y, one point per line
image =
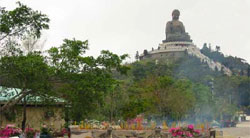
x: 92, y: 133
x: 118, y: 133
x: 176, y: 50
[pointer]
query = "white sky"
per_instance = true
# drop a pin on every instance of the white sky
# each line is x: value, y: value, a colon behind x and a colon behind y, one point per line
x: 127, y: 26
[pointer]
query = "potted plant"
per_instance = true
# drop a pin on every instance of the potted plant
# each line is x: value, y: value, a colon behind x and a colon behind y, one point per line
x: 184, y: 132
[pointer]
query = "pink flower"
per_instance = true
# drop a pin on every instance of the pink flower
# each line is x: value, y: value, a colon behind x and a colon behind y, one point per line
x: 189, y: 134
x: 197, y: 131
x: 179, y: 133
x: 172, y: 130
x: 174, y: 134
x: 9, y: 130
x: 29, y: 129
x: 191, y: 127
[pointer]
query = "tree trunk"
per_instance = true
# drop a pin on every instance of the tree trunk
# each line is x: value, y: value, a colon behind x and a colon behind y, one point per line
x: 24, y: 113
x: 111, y: 109
x: 66, y: 111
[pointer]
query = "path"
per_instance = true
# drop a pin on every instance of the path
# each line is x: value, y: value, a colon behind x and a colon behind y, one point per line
x: 242, y: 130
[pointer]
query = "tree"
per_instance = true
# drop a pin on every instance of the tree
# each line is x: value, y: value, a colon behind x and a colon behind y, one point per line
x: 137, y: 55
x: 145, y: 52
x: 83, y: 80
x: 217, y: 48
x: 21, y: 71
x: 205, y: 49
x: 162, y: 96
x: 64, y: 73
x: 20, y: 23
x: 204, y: 102
x: 29, y: 74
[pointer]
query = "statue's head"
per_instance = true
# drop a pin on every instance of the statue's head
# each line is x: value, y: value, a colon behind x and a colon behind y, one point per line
x: 175, y: 14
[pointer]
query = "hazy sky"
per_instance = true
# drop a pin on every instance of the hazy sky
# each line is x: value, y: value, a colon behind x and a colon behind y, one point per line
x: 127, y: 26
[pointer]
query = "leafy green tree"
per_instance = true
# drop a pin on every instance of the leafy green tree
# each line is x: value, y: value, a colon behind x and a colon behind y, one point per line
x: 20, y: 23
x: 64, y: 68
x: 83, y: 80
x: 29, y: 74
x: 65, y: 73
x: 18, y: 70
x: 163, y: 96
x: 236, y: 64
x: 244, y: 91
x: 204, y: 106
x: 143, y: 69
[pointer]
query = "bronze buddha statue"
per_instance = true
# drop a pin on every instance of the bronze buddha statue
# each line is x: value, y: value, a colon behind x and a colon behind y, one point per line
x: 175, y: 30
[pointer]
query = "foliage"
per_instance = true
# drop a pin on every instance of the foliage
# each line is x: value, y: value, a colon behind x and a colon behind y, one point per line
x: 235, y: 64
x: 29, y: 73
x: 65, y: 73
x: 244, y: 92
x: 85, y: 79
x: 159, y: 95
x: 45, y: 130
x: 141, y: 69
x: 208, y: 94
x: 19, y: 23
x: 204, y: 102
x: 193, y: 69
x: 11, y: 115
x: 25, y: 72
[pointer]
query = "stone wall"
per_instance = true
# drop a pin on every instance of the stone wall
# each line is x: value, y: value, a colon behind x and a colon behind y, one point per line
x: 167, y: 55
x: 118, y: 133
x: 36, y: 117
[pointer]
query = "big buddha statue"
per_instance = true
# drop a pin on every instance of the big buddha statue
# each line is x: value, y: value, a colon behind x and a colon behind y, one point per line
x: 175, y: 30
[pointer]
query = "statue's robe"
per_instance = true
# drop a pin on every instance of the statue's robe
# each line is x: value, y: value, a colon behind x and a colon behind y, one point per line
x: 175, y: 31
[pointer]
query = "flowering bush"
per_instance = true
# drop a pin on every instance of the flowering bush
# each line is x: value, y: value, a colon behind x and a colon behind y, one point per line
x: 10, y: 131
x: 184, y: 132
x: 30, y: 132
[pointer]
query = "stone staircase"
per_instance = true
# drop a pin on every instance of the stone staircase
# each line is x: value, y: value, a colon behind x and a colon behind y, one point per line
x: 194, y: 51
